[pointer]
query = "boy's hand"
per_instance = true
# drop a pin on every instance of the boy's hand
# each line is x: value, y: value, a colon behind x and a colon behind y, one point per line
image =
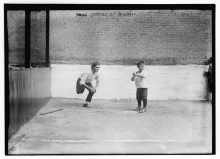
x: 134, y: 74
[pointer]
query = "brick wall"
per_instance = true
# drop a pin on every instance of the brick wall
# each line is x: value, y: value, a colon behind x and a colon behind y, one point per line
x: 160, y: 37
x: 38, y: 36
x: 16, y: 35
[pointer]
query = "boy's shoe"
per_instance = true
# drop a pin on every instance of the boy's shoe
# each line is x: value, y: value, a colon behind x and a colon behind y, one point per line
x: 143, y: 110
x: 138, y: 108
x: 86, y: 105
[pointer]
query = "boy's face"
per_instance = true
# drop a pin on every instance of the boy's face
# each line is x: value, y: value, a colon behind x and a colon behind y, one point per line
x: 96, y: 68
x: 141, y: 67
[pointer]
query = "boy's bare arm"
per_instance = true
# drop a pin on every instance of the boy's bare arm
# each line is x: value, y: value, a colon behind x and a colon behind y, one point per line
x: 132, y: 78
x: 90, y: 88
x: 97, y: 84
x: 134, y: 74
x: 82, y: 82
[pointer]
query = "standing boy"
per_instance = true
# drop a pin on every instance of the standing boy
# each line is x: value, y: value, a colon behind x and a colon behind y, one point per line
x: 208, y: 74
x: 141, y: 83
x: 84, y: 81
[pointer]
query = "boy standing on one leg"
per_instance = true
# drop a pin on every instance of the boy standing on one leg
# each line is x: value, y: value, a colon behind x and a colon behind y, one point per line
x: 141, y: 83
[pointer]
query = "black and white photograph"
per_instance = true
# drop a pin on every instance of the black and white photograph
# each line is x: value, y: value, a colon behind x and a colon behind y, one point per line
x: 109, y: 79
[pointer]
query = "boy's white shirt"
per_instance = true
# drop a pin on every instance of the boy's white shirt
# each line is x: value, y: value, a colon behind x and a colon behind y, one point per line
x: 141, y: 82
x: 88, y: 77
x: 207, y: 68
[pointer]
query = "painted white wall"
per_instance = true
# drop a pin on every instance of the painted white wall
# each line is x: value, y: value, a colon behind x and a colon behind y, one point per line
x: 180, y: 82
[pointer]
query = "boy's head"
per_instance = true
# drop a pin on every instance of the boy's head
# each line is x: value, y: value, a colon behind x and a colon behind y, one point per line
x: 210, y: 60
x: 95, y: 66
x: 141, y: 65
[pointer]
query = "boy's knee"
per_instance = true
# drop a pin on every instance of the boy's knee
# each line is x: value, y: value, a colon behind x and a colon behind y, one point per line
x: 91, y: 93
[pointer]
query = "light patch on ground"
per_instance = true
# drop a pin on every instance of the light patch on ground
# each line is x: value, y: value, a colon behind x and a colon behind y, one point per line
x: 109, y: 126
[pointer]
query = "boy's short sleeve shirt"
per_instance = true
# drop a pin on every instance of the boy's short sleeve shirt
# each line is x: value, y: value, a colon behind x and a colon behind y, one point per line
x: 88, y: 77
x: 141, y: 82
x: 207, y: 68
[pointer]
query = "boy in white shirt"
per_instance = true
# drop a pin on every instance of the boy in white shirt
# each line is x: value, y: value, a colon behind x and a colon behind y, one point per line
x: 84, y: 81
x: 140, y: 78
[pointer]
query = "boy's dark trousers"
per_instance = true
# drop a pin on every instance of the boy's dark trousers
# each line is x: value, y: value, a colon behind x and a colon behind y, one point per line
x: 141, y: 94
x: 80, y: 89
x: 210, y: 84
